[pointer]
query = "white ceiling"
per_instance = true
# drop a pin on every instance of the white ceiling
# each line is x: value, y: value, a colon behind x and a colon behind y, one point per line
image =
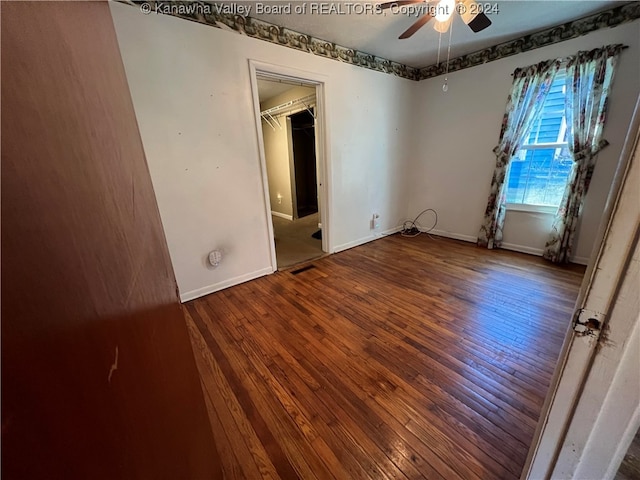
x: 267, y: 90
x: 378, y: 33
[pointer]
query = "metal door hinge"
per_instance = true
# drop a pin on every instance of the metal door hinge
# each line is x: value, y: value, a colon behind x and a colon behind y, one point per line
x: 588, y: 323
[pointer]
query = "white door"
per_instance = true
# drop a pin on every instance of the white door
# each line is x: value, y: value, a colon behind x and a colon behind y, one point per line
x: 592, y: 410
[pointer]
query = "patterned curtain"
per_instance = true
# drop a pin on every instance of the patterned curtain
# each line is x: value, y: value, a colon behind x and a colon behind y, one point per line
x: 589, y: 78
x: 528, y: 91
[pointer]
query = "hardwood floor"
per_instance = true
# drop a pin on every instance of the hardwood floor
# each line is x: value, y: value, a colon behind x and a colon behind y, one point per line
x: 402, y: 358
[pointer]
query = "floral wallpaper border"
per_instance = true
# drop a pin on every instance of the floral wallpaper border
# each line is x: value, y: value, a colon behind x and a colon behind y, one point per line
x: 606, y: 19
x: 209, y: 14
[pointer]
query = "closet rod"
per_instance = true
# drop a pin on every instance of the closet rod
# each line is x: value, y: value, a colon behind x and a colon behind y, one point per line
x: 291, y: 103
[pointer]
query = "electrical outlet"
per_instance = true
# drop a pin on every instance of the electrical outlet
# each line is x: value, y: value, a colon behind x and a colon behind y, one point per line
x: 375, y: 221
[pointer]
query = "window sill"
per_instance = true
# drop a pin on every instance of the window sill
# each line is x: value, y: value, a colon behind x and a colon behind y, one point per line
x: 521, y: 207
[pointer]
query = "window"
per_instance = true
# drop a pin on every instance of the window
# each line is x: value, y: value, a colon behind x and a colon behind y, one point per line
x: 539, y: 172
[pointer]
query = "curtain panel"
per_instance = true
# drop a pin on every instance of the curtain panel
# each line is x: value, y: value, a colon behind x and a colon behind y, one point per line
x: 528, y: 91
x: 589, y: 78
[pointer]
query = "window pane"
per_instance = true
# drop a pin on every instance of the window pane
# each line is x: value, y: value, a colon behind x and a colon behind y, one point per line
x: 550, y: 127
x: 538, y: 177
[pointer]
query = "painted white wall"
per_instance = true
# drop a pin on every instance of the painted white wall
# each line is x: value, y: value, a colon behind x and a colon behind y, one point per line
x: 191, y: 91
x: 526, y: 231
x: 276, y: 151
x: 456, y: 132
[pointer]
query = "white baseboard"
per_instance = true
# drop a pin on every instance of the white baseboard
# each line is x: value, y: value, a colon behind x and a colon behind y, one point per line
x: 580, y: 260
x: 355, y: 243
x: 522, y: 249
x: 367, y: 239
x: 455, y: 236
x: 506, y: 246
x: 282, y: 215
x: 539, y: 251
x: 201, y: 292
x: 391, y: 231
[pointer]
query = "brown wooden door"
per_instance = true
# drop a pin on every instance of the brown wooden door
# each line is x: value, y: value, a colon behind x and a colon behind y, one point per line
x: 98, y: 375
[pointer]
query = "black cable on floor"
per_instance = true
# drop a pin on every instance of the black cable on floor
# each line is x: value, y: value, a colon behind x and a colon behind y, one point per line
x: 411, y: 228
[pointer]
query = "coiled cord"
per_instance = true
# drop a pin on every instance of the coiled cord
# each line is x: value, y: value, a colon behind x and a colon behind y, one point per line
x: 411, y: 228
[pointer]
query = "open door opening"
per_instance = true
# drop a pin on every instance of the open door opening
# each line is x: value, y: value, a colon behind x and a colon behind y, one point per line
x: 289, y: 127
x: 303, y: 159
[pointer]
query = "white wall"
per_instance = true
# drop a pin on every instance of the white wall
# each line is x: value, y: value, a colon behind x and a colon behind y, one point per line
x: 276, y: 151
x: 456, y: 132
x: 191, y: 91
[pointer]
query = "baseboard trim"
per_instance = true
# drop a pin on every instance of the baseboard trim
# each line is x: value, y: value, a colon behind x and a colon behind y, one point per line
x: 455, y: 236
x: 580, y: 260
x: 507, y: 246
x: 539, y: 251
x: 391, y: 231
x: 522, y: 249
x: 367, y: 239
x: 355, y: 243
x: 282, y: 215
x: 386, y: 233
x: 201, y: 292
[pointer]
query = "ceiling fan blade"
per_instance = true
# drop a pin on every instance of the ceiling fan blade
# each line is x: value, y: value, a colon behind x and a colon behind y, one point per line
x: 423, y: 20
x: 479, y: 23
x: 399, y: 3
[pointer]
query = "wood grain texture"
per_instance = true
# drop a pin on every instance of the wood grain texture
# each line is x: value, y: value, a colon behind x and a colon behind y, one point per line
x: 98, y: 375
x: 404, y: 358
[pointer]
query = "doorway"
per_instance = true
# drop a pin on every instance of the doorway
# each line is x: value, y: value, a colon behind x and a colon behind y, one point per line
x: 301, y: 126
x: 289, y: 125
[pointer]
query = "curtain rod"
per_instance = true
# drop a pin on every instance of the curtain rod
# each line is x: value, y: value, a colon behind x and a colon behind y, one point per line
x: 624, y: 47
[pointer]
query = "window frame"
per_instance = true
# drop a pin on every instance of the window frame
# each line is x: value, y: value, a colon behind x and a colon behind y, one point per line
x: 530, y: 207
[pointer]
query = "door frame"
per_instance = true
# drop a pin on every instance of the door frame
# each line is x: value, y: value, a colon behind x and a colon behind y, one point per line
x: 280, y: 72
x: 552, y: 448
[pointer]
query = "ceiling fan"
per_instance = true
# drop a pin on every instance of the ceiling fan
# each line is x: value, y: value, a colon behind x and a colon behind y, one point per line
x: 442, y: 11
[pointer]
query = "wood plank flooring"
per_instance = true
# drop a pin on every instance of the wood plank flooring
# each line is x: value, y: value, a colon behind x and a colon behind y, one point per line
x: 403, y: 358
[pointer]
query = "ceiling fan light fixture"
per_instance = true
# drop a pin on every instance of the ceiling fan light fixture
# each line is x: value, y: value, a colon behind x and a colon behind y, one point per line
x: 468, y: 10
x: 443, y: 14
x: 442, y: 27
x: 479, y: 22
x: 444, y: 10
